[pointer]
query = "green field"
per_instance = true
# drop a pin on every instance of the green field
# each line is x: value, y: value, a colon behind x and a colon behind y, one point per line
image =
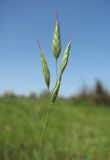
x: 77, y: 131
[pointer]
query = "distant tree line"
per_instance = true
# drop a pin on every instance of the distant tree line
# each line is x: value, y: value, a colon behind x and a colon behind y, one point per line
x: 9, y: 94
x: 98, y: 94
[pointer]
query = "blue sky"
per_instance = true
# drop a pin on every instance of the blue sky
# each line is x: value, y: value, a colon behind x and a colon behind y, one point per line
x: 23, y: 22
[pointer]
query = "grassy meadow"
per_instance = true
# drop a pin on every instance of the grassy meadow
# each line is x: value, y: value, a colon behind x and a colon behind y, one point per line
x: 77, y: 131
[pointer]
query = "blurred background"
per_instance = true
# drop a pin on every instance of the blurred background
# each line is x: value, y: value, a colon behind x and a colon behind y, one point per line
x: 79, y: 127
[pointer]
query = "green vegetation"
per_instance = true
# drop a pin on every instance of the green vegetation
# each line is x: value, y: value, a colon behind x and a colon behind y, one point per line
x: 77, y: 131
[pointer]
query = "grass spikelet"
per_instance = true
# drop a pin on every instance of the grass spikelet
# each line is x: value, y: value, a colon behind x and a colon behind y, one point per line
x: 45, y: 68
x: 56, y: 90
x: 65, y: 58
x: 56, y: 42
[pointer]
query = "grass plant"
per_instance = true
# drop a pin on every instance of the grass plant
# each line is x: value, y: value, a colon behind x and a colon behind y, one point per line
x: 56, y: 48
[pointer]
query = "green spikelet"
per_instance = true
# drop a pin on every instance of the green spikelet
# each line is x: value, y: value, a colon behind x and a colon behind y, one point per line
x: 56, y: 90
x: 56, y: 42
x: 65, y: 59
x: 45, y: 68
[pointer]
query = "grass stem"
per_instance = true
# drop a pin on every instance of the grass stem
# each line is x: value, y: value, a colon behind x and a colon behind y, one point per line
x: 48, y: 116
x: 56, y: 70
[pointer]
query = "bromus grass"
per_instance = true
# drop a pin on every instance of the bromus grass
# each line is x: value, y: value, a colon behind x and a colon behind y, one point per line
x: 56, y: 49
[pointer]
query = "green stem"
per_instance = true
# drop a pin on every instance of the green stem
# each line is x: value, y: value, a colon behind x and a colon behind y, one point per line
x: 56, y: 69
x: 48, y: 116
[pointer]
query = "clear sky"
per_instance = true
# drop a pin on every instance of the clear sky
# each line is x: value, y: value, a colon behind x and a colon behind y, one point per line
x: 22, y: 22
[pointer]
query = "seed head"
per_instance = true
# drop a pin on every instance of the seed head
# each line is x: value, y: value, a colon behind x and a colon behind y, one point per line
x: 56, y: 90
x: 56, y: 42
x: 65, y: 58
x: 45, y: 68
